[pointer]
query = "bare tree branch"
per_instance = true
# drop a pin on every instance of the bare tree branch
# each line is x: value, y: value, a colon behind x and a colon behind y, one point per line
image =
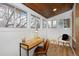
x: 9, y: 19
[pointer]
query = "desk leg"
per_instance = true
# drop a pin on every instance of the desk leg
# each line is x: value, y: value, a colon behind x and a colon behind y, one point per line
x: 20, y: 50
x: 27, y: 52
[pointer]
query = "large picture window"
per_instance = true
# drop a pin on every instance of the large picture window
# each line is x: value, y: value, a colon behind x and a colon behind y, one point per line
x: 12, y: 17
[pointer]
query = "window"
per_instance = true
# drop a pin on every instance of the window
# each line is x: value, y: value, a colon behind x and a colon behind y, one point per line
x: 44, y: 23
x: 49, y: 24
x: 3, y: 15
x: 52, y: 24
x: 38, y: 23
x: 22, y: 23
x: 17, y: 18
x: 60, y: 23
x: 12, y: 17
x: 34, y: 22
x: 66, y: 23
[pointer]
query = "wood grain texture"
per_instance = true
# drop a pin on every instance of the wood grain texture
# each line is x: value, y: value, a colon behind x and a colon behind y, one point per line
x: 77, y: 29
x: 77, y: 10
x: 59, y: 50
x: 31, y: 43
x: 46, y: 9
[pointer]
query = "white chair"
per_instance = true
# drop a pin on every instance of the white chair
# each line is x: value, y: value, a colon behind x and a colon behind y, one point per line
x: 63, y: 42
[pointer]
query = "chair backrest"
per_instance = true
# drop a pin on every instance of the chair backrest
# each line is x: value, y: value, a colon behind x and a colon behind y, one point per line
x: 46, y: 45
x: 65, y: 37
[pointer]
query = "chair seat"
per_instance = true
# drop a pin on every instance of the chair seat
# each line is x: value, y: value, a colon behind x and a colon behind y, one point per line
x: 40, y: 49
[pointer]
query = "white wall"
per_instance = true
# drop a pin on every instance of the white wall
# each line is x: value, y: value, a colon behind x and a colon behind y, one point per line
x: 10, y: 38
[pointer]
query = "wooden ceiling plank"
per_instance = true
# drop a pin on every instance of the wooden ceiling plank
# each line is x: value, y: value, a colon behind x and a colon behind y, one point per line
x: 46, y: 9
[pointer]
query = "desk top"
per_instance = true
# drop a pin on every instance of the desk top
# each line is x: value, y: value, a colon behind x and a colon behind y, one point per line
x: 31, y: 43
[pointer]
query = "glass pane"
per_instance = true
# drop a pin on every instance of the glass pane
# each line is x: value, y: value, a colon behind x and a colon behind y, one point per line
x: 37, y: 23
x: 66, y: 23
x: 3, y: 15
x: 49, y: 24
x: 54, y: 24
x: 33, y: 22
x: 11, y: 9
x: 60, y: 23
x: 17, y: 17
x: 23, y: 20
x: 44, y: 23
x: 10, y: 19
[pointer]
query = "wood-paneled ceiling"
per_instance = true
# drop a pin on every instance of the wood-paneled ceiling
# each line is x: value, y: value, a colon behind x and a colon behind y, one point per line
x: 46, y: 9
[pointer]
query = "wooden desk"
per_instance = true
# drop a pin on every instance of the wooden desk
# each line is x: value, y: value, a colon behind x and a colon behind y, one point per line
x: 30, y: 44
